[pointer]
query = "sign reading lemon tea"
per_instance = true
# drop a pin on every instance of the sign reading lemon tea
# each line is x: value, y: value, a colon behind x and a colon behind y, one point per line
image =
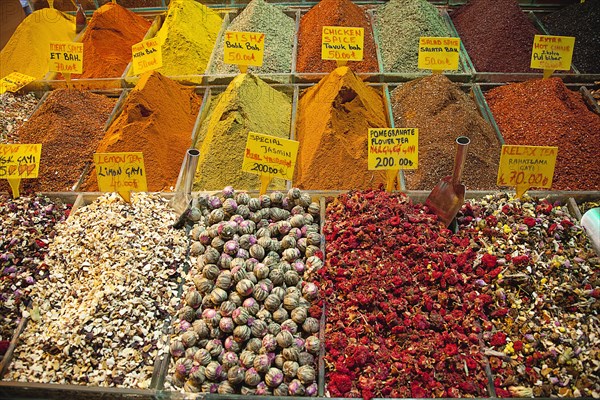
x: 14, y: 81
x: 66, y: 57
x: 19, y: 161
x: 439, y: 53
x: 244, y: 48
x: 552, y: 52
x: 121, y: 172
x: 146, y: 56
x: 342, y: 43
x: 393, y: 148
x: 524, y: 167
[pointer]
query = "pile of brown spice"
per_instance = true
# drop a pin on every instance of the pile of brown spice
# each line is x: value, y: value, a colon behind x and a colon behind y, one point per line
x: 334, y: 117
x: 333, y: 13
x: 443, y: 112
x: 545, y: 112
x: 69, y: 125
x: 157, y: 119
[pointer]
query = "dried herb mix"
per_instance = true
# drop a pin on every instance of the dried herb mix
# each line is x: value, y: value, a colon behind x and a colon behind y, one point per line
x: 580, y: 20
x: 443, y: 112
x: 333, y: 13
x: 69, y: 125
x: 497, y: 35
x: 15, y: 109
x: 546, y: 113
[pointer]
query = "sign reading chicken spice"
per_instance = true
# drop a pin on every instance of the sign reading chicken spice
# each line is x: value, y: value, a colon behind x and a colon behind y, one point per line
x: 19, y: 161
x: 146, y: 56
x: 270, y: 157
x: 244, y: 48
x: 525, y: 167
x: 66, y: 57
x: 121, y: 172
x: 14, y: 81
x: 439, y: 53
x: 343, y: 44
x: 552, y: 53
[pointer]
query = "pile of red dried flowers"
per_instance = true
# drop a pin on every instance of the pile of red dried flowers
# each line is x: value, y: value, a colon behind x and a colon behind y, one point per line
x: 403, y: 301
x: 544, y: 334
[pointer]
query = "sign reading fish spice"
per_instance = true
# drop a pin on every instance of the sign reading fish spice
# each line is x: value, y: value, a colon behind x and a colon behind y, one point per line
x: 552, y: 53
x: 439, y: 53
x: 244, y: 49
x: 146, y: 56
x: 270, y: 157
x: 14, y: 81
x: 393, y: 149
x: 121, y: 172
x: 19, y: 161
x: 524, y: 167
x: 66, y: 57
x: 342, y: 43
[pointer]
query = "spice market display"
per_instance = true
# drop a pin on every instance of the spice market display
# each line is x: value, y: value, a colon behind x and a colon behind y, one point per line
x: 348, y: 280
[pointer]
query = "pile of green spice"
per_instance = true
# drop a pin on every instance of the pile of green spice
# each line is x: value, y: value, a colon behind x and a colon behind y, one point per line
x: 400, y: 24
x: 279, y: 28
x: 443, y: 112
x: 247, y: 105
x: 581, y: 20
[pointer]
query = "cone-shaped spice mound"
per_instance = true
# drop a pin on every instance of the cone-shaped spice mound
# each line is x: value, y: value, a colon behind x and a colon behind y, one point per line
x: 247, y: 105
x: 157, y: 119
x: 333, y: 120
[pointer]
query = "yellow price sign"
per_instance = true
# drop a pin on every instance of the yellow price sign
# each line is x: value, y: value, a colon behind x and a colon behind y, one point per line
x: 121, y: 172
x: 14, y: 81
x: 270, y: 157
x: 342, y: 43
x: 525, y: 167
x: 19, y: 161
x: 552, y: 53
x: 66, y: 57
x: 439, y: 53
x: 146, y: 56
x: 393, y: 149
x: 244, y: 48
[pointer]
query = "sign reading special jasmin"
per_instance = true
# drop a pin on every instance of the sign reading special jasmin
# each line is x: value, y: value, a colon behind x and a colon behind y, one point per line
x: 342, y: 43
x: 393, y: 148
x: 270, y: 156
x: 121, y: 172
x: 552, y: 52
x: 524, y: 167
x: 439, y: 53
x: 146, y: 56
x: 66, y: 57
x: 244, y: 48
x: 14, y: 81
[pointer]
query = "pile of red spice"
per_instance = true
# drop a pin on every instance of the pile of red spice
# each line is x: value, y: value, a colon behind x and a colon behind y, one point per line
x: 402, y: 301
x: 333, y: 13
x: 545, y: 112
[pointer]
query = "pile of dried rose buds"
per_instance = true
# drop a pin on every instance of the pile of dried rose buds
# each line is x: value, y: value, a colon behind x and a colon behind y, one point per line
x: 544, y: 334
x: 403, y: 302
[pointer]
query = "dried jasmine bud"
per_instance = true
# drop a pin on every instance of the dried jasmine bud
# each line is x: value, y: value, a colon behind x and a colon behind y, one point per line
x: 201, y: 329
x: 274, y: 377
x: 262, y: 363
x: 254, y: 345
x: 232, y: 345
x: 257, y: 251
x: 291, y: 278
x: 290, y: 369
x: 310, y: 325
x: 229, y: 360
x: 203, y: 285
x: 305, y: 358
x: 272, y: 302
x: 264, y: 315
x: 279, y: 292
x: 281, y: 390
x: 189, y: 338
x: 284, y: 339
x: 312, y: 390
x: 177, y: 349
x: 258, y: 328
x: 299, y: 315
x: 225, y: 387
x: 274, y: 328
x: 289, y: 325
x: 193, y: 299
x: 182, y: 368
x: 218, y: 295
x: 251, y: 305
x: 252, y: 378
x: 279, y: 360
x: 310, y: 291
x: 187, y: 313
x: 235, y: 374
x: 202, y: 357
x: 291, y: 354
x: 241, y: 333
x: 240, y: 315
x: 276, y: 275
x: 296, y: 388
x: 213, y: 371
x: 235, y: 298
x: 197, y: 375
x: 290, y: 301
x: 247, y: 358
x: 227, y: 308
x: 269, y: 343
x: 244, y: 287
x: 214, y: 347
x: 313, y: 345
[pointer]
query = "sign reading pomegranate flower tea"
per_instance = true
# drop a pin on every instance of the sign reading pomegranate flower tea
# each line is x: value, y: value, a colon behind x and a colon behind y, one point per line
x: 66, y: 57
x: 121, y: 172
x: 525, y: 167
x: 341, y: 43
x: 439, y: 53
x: 393, y: 148
x: 146, y: 56
x: 244, y: 48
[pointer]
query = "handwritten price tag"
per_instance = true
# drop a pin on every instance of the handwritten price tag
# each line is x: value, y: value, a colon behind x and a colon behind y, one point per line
x: 66, y: 57
x: 393, y: 149
x: 342, y: 44
x: 270, y: 157
x: 19, y: 161
x: 146, y: 56
x: 552, y: 53
x: 244, y: 48
x: 121, y: 172
x: 14, y: 81
x: 524, y: 167
x: 439, y: 53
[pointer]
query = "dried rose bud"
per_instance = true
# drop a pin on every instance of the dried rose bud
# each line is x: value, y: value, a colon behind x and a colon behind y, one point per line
x: 296, y: 388
x: 226, y: 324
x: 312, y: 390
x: 177, y: 349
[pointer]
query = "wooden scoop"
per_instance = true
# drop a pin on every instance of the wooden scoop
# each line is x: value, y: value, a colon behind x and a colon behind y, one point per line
x: 448, y: 196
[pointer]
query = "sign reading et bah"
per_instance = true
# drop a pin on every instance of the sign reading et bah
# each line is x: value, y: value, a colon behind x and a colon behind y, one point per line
x: 342, y: 43
x: 66, y: 57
